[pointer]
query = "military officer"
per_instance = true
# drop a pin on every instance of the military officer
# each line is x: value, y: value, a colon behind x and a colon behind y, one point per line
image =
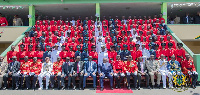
x: 102, y: 54
x: 25, y: 70
x: 11, y: 53
x: 180, y: 53
x: 153, y: 69
x: 47, y: 53
x: 94, y: 54
x: 189, y: 68
x: 118, y: 69
x: 90, y: 69
x: 131, y: 70
x: 66, y: 72
x: 13, y: 71
x: 105, y: 70
x: 35, y: 69
x: 125, y: 53
x: 3, y: 69
x: 85, y: 54
x: 55, y: 54
x: 56, y: 72
x: 78, y: 71
x: 47, y: 67
x: 78, y: 52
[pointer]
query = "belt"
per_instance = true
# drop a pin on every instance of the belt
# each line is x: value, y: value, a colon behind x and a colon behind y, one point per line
x: 39, y: 58
x: 189, y: 69
x: 179, y: 56
x: 118, y: 69
x: 21, y: 58
x: 63, y: 58
x: 30, y: 57
x: 94, y: 59
x: 72, y: 58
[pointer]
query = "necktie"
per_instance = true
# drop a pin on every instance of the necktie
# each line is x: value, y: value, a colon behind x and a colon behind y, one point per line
x: 77, y: 68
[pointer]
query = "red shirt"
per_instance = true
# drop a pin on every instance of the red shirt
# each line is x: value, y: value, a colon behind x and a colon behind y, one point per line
x: 118, y: 66
x: 36, y: 67
x: 3, y: 21
x: 25, y: 67
x: 188, y: 65
x: 57, y: 67
x: 94, y: 56
x: 130, y: 66
x: 10, y: 54
x: 21, y: 55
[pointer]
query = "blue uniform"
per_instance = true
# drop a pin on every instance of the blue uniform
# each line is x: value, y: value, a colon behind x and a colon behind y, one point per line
x: 171, y: 65
x: 106, y: 69
x: 152, y: 52
x: 77, y: 53
x: 89, y: 68
x: 124, y: 55
x: 84, y: 55
x: 46, y: 54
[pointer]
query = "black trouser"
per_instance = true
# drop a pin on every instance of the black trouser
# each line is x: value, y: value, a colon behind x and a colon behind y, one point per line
x: 53, y: 81
x: 146, y: 77
x: 25, y: 78
x: 15, y: 80
x: 118, y: 78
x: 63, y: 81
x: 194, y: 79
x: 80, y: 79
x: 134, y: 79
x: 35, y: 77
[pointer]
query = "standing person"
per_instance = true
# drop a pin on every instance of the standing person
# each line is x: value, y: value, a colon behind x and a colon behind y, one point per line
x: 105, y: 70
x: 90, y: 69
x: 66, y: 72
x: 17, y: 21
x: 11, y: 53
x: 187, y: 19
x: 102, y: 54
x: 56, y: 72
x: 54, y: 54
x: 47, y: 67
x: 78, y: 71
x: 13, y: 71
x: 3, y: 69
x: 163, y: 69
x: 3, y: 21
x: 47, y: 53
x: 153, y: 67
x: 142, y: 71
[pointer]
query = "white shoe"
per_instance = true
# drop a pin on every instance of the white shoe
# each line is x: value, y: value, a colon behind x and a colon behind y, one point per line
x: 47, y: 88
x: 171, y: 87
x: 40, y: 88
x: 164, y: 87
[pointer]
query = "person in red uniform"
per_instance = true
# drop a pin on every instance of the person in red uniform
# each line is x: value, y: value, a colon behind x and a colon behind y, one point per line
x: 180, y: 53
x: 112, y: 54
x: 157, y: 50
x: 63, y: 53
x: 21, y: 54
x: 138, y: 52
x: 188, y: 68
x: 25, y: 70
x: 71, y: 54
x: 163, y: 49
x: 130, y: 67
x: 3, y: 21
x: 30, y: 53
x: 25, y: 44
x: 56, y: 72
x: 39, y: 53
x: 11, y: 53
x: 170, y: 51
x: 94, y: 54
x: 118, y: 70
x: 35, y: 69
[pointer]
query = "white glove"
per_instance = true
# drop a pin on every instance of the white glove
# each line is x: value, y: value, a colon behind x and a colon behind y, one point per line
x: 25, y: 73
x: 31, y: 73
x: 52, y: 73
x: 122, y: 74
x: 115, y: 74
x: 127, y: 73
x: 194, y: 72
x: 59, y: 73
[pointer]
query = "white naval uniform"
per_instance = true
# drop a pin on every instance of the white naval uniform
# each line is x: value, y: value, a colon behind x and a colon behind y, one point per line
x: 67, y: 31
x: 59, y: 45
x: 145, y: 54
x: 54, y: 55
x: 45, y: 72
x: 164, y: 72
x: 102, y: 55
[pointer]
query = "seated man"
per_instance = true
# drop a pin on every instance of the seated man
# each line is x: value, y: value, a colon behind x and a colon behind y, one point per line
x: 174, y: 68
x: 189, y: 68
x: 90, y: 69
x: 153, y: 67
x: 25, y: 69
x: 105, y: 70
x: 3, y: 69
x: 56, y: 72
x: 118, y: 69
x: 66, y: 72
x: 131, y: 70
x: 78, y: 71
x: 35, y: 69
x: 142, y: 71
x: 14, y: 72
x: 47, y: 67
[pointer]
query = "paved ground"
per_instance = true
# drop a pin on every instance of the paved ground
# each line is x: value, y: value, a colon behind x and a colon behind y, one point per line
x: 93, y: 92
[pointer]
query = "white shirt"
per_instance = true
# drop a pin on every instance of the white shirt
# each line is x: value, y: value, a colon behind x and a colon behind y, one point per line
x: 67, y: 31
x: 59, y: 45
x: 164, y: 67
x: 102, y: 55
x: 54, y: 55
x: 98, y: 46
x: 145, y: 53
x: 62, y: 39
x: 73, y: 22
x: 47, y: 67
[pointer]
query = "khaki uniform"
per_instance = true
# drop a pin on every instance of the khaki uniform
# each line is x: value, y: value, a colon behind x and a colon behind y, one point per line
x: 153, y: 68
x: 3, y: 70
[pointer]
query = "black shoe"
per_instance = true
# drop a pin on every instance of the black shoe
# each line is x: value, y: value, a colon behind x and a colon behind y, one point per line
x: 152, y: 86
x: 129, y: 88
x: 102, y: 89
x: 16, y: 88
x: 193, y: 87
x: 148, y: 87
x: 63, y: 88
x: 94, y: 88
x: 111, y: 88
x: 116, y: 87
x: 80, y: 88
x: 83, y: 88
x: 134, y: 88
x: 158, y: 86
x: 119, y: 86
x: 74, y: 88
x: 138, y: 88
x: 4, y: 88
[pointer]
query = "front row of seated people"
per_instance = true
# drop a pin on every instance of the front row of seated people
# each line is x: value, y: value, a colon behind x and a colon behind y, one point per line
x: 30, y: 72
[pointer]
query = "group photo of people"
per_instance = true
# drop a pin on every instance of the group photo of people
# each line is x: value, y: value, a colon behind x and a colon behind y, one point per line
x: 63, y: 54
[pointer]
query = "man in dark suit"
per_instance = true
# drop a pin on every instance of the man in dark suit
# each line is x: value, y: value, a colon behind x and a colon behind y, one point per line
x: 90, y: 69
x: 78, y: 71
x: 14, y: 72
x: 187, y: 19
x: 66, y: 72
x: 142, y: 71
x: 105, y: 70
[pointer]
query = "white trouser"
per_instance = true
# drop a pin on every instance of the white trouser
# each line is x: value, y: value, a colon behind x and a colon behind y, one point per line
x: 164, y: 73
x: 40, y: 78
x: 170, y: 79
